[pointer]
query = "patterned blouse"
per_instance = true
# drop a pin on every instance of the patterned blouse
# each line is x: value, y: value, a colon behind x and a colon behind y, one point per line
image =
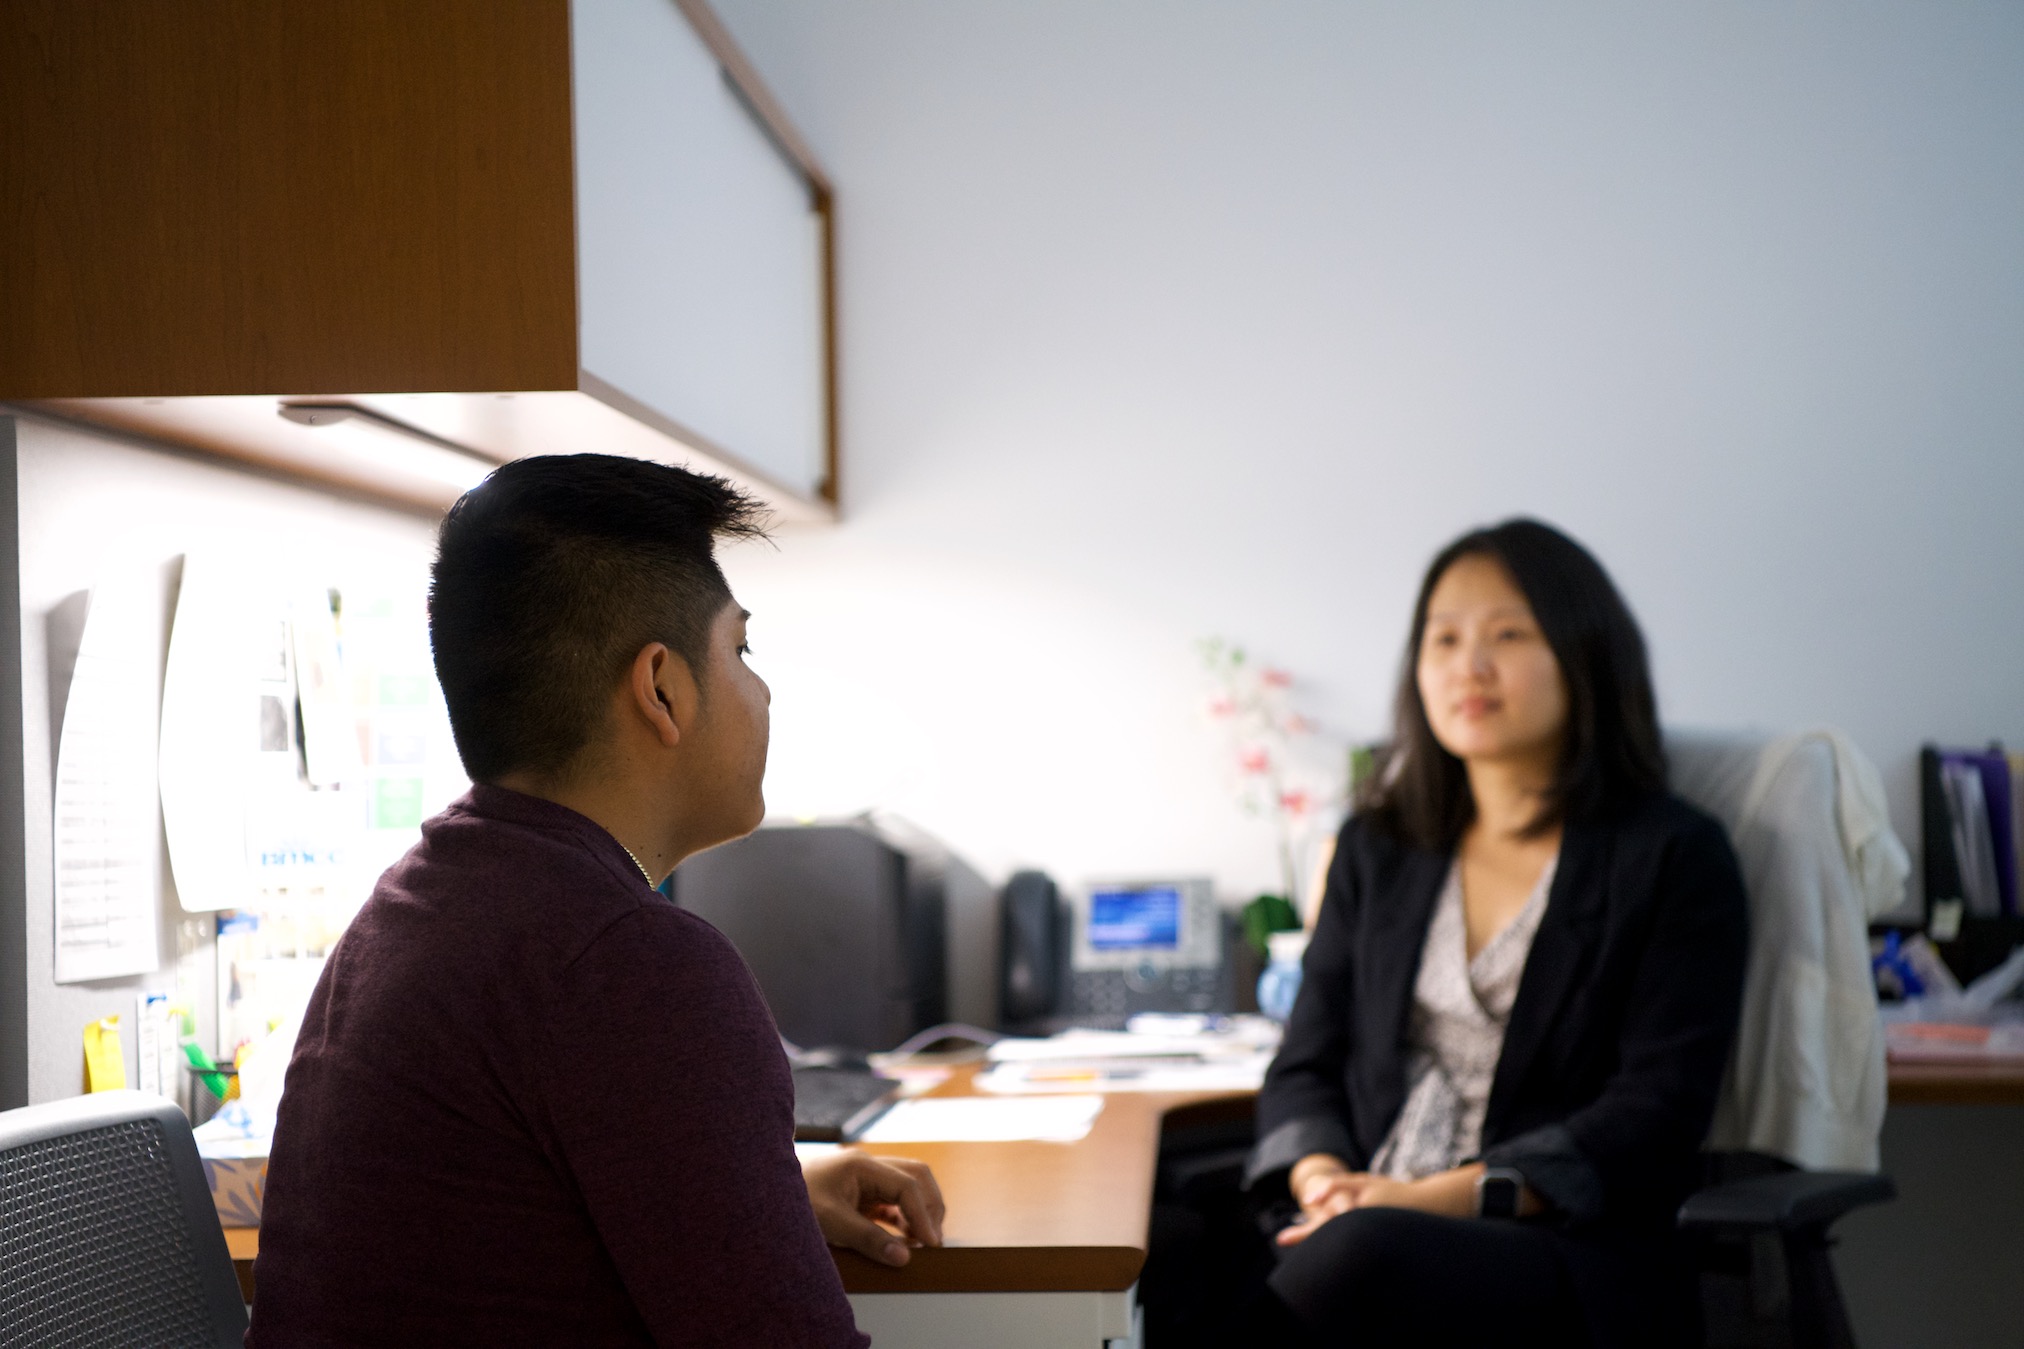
x: 1456, y: 1034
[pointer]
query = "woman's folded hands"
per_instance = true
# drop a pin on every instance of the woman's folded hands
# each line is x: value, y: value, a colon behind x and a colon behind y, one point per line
x: 1325, y: 1187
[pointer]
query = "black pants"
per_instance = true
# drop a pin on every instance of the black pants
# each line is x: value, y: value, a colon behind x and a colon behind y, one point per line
x: 1388, y: 1276
x: 1377, y: 1277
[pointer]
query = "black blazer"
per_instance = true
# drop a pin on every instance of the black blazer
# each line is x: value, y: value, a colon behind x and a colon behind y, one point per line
x: 1615, y: 1046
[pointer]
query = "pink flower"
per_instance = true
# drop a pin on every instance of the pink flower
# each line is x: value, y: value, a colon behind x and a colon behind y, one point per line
x: 1298, y: 725
x: 1294, y: 803
x: 1221, y: 707
x: 1275, y: 679
x: 1254, y: 761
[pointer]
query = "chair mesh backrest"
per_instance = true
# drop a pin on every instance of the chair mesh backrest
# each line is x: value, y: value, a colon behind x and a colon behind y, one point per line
x: 93, y: 1248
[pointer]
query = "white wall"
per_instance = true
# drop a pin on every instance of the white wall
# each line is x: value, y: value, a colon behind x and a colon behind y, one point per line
x: 90, y: 504
x: 1168, y: 318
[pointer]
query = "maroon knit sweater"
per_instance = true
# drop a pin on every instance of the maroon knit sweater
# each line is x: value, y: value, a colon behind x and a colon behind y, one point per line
x: 533, y: 1102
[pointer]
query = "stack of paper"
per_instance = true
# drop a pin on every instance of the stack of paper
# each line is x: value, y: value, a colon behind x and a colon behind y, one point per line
x: 1939, y: 1042
x: 977, y: 1119
x: 1229, y: 1056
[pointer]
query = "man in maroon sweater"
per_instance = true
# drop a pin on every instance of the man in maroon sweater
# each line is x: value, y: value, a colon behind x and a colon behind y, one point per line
x: 533, y: 1102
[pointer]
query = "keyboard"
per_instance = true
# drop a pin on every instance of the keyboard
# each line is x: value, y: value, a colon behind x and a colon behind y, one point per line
x: 835, y: 1105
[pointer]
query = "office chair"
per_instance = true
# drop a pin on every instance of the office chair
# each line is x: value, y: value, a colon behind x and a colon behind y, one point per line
x: 1794, y: 1142
x: 107, y: 1231
x: 1785, y: 1159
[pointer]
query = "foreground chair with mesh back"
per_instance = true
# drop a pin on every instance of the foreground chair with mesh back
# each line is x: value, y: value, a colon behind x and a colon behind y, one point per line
x: 107, y: 1231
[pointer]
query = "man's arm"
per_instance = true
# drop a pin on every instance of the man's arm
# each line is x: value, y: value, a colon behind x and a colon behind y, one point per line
x: 671, y: 1109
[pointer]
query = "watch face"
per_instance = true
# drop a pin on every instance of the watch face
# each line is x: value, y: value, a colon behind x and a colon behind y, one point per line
x: 1497, y: 1196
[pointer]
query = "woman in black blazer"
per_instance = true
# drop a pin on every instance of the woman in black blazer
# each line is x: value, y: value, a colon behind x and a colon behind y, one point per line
x: 1488, y: 1141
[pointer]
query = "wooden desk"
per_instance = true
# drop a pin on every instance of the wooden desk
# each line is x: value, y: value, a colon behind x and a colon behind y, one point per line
x: 1956, y: 1084
x: 1043, y: 1242
x: 1027, y: 1216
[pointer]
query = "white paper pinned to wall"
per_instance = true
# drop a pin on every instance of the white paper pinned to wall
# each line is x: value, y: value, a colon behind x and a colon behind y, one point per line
x: 107, y: 819
x: 210, y: 729
x: 329, y: 730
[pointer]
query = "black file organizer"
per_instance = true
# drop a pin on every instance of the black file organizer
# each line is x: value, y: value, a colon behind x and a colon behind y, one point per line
x: 1984, y: 941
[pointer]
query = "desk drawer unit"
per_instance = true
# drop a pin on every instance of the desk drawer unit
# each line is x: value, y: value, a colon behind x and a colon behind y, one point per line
x: 1087, y: 1320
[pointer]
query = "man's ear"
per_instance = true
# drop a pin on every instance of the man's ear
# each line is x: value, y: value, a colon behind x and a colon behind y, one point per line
x: 663, y: 692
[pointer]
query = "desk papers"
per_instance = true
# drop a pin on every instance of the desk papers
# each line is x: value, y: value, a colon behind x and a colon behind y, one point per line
x: 982, y: 1119
x: 1939, y: 1042
x: 233, y: 1145
x: 1231, y: 1057
x: 107, y: 816
x: 1030, y: 1079
x: 1982, y: 1023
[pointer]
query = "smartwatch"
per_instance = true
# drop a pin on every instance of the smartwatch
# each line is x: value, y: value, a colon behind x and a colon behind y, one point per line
x: 1497, y: 1191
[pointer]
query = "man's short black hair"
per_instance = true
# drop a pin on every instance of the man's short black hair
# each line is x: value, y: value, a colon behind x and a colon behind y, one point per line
x: 550, y: 576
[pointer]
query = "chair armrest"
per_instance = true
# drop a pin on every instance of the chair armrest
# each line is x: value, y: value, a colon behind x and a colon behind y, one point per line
x: 1786, y: 1202
x: 1193, y: 1177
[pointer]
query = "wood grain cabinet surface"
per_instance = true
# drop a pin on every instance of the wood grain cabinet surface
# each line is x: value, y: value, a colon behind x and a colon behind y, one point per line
x: 515, y: 226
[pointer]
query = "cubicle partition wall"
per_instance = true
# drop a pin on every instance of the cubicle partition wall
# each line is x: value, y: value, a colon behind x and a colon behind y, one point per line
x: 13, y: 822
x: 80, y: 510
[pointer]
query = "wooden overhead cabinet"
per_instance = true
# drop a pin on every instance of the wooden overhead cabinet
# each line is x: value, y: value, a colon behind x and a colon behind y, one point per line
x: 475, y: 229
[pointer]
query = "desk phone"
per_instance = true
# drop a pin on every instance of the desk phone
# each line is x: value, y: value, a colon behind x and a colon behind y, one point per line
x: 1145, y: 946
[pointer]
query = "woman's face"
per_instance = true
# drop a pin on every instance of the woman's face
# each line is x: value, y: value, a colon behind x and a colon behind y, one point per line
x: 1489, y: 681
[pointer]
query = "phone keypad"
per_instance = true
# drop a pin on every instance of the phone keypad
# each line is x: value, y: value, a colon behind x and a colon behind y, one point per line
x: 1122, y: 992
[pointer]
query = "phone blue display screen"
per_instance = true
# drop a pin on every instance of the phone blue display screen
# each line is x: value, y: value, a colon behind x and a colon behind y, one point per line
x: 1137, y: 919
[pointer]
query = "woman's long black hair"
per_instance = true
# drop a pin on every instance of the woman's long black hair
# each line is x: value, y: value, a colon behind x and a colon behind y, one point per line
x: 1612, y: 755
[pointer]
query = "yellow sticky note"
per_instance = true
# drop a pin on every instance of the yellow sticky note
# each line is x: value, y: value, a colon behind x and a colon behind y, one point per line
x: 104, y: 1060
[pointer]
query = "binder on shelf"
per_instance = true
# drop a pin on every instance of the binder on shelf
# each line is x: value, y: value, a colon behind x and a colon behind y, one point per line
x: 2016, y: 762
x: 1969, y: 815
x: 1998, y: 793
x: 1936, y: 826
x: 1970, y: 830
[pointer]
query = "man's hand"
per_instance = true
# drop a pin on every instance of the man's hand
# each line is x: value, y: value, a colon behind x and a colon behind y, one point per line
x: 853, y: 1193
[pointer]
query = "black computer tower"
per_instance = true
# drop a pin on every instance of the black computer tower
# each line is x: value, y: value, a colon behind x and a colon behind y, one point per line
x: 843, y: 925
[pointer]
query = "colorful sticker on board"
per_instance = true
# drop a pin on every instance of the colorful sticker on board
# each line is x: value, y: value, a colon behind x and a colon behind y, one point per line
x: 403, y: 691
x: 397, y: 803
